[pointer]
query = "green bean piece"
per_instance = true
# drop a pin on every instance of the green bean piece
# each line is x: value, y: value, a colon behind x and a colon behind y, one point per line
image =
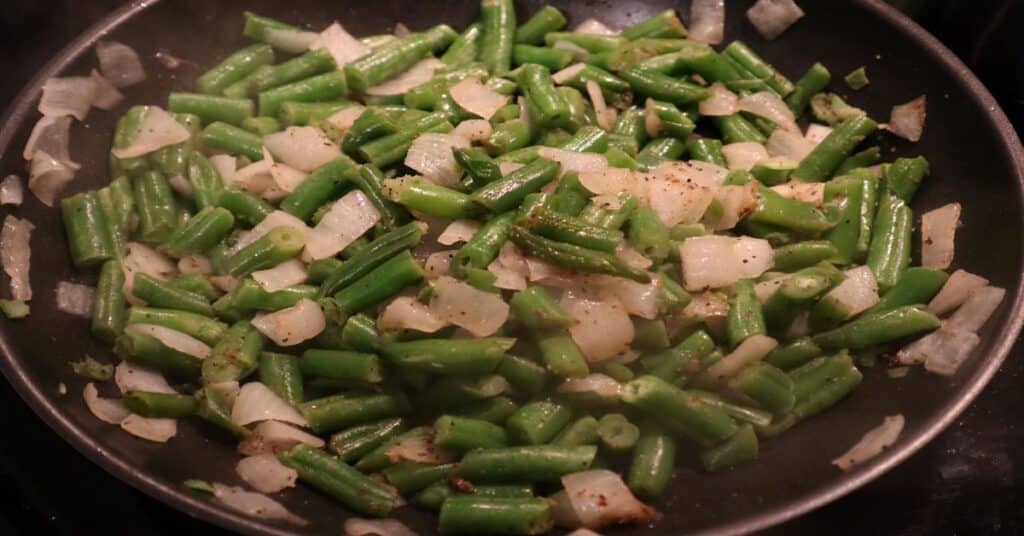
x: 160, y: 405
x: 593, y: 43
x: 700, y: 422
x: 561, y: 356
x: 811, y: 83
x: 478, y: 166
x: 433, y: 496
x: 509, y: 192
x: 653, y: 462
x: 889, y: 252
x: 552, y: 58
x: 904, y: 176
x: 267, y: 251
x: 353, y: 443
x: 249, y: 296
x: 155, y: 206
x: 588, y: 139
x: 449, y: 357
x: 322, y: 87
x: 261, y: 126
x: 244, y: 206
x: 798, y: 293
x: 341, y: 365
x: 280, y: 372
x: 546, y: 19
x: 582, y: 431
x: 648, y: 235
x: 745, y: 316
x: 109, y: 310
x: 465, y: 48
x: 234, y: 68
x: 202, y: 231
x: 740, y: 448
x: 295, y: 113
x: 914, y: 286
x: 380, y: 250
x: 736, y: 129
x: 562, y: 228
x: 319, y: 187
x: 391, y: 149
x: 662, y: 87
x: 488, y: 515
x: 382, y: 282
x: 538, y: 422
x: 199, y: 326
x: 89, y: 233
x: 794, y: 354
x: 535, y: 308
x: 529, y: 463
x: 149, y: 351
x: 494, y: 410
x: 664, y: 24
x: 159, y: 294
x: 235, y: 355
x: 574, y: 257
x: 233, y: 140
x: 341, y: 481
x: 256, y: 25
x: 684, y: 358
x: 321, y: 269
x: 862, y: 159
x: 789, y: 214
x: 378, y: 458
x: 211, y: 108
x: 524, y: 375
x: 617, y: 434
x: 706, y: 150
x: 327, y: 415
x: 396, y: 57
x: 370, y: 125
x: 509, y: 136
x: 876, y: 329
x: 408, y: 477
x: 747, y: 59
x: 804, y: 254
x: 659, y: 150
x: 770, y: 387
x: 535, y: 81
x: 205, y: 180
x: 462, y: 434
x: 829, y: 154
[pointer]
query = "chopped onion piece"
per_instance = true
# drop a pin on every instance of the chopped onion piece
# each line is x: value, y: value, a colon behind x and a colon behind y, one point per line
x: 343, y: 47
x: 938, y: 229
x: 721, y: 102
x: 600, y: 498
x: 51, y: 135
x: 707, y: 22
x: 976, y: 309
x: 71, y: 95
x: 509, y: 167
x: 955, y: 291
x: 737, y: 201
x: 479, y: 312
x: 574, y: 162
x: 273, y: 437
x: 155, y: 430
x: 789, y: 144
x: 579, y: 52
x: 439, y: 263
x: 458, y: 231
x: 808, y: 192
x: 872, y: 444
x: 140, y: 258
x: 744, y: 155
x: 172, y: 339
x: 256, y: 402
x: 105, y: 96
x: 765, y: 289
x: 292, y: 325
x: 770, y: 106
x: 715, y: 261
x: 506, y: 278
x: 288, y: 40
x: 568, y: 73
x: 343, y: 120
x: 605, y: 115
x: 907, y: 120
x: 588, y: 532
x: 108, y: 410
x: 474, y: 130
x: 287, y: 178
x: 672, y: 192
x: 942, y: 351
x: 562, y: 511
x: 195, y: 263
x: 601, y: 326
x: 419, y: 73
x: 48, y: 177
x: 287, y: 274
x: 512, y: 257
x: 406, y: 312
x: 75, y: 299
x: 348, y: 219
x: 275, y: 219
x: 226, y: 165
x: 254, y: 504
x: 653, y: 124
x: 632, y: 257
x: 594, y: 26
x: 266, y: 473
x: 477, y: 98
x: 599, y: 384
x: 857, y: 293
x: 708, y: 308
x: 772, y: 17
x: 431, y: 155
x: 15, y: 255
x: 303, y: 148
x: 751, y: 350
x: 355, y: 526
x: 401, y: 30
x: 420, y: 448
x: 11, y: 191
x: 639, y: 299
x: 608, y: 181
x: 181, y: 186
x: 159, y: 129
x: 119, y: 63
x: 168, y: 60
x: 817, y: 133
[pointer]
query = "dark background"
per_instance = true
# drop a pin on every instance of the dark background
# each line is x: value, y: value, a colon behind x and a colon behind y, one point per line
x: 969, y: 480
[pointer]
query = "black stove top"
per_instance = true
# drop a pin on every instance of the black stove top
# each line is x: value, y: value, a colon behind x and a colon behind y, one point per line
x: 969, y: 480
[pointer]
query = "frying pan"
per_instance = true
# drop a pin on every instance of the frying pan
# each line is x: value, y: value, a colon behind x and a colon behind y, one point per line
x: 976, y: 159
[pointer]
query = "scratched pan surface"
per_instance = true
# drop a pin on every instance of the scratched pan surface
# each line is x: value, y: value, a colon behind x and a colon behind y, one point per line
x: 976, y: 159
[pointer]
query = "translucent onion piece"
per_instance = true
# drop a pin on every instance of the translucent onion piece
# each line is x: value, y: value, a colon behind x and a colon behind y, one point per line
x: 594, y: 26
x: 509, y: 167
x: 155, y: 430
x: 938, y: 231
x: 976, y: 309
x: 181, y: 186
x: 303, y: 148
x: 288, y: 40
x: 942, y: 351
x: 254, y: 504
x: 737, y: 202
x: 512, y: 257
x: 632, y: 257
x: 873, y: 443
x: 401, y: 30
x: 11, y: 191
x: 292, y: 325
x: 226, y: 166
x: 477, y: 98
x: 770, y: 106
x: 907, y: 120
x: 608, y: 181
x: 458, y: 231
x: 600, y: 384
x: 119, y: 63
x: 722, y: 101
x: 132, y: 377
x: 707, y: 22
x: 344, y: 119
x: 159, y: 129
x: 479, y: 312
x: 265, y: 473
x: 275, y: 219
x: 273, y: 437
x: 287, y: 274
x: 605, y: 115
x: 808, y: 192
x: 287, y: 178
x: 562, y: 511
x: 420, y: 448
x: 578, y: 51
x: 348, y: 219
x: 602, y: 327
x: 653, y: 124
x: 744, y: 155
x: 574, y: 162
x: 438, y: 263
x: 140, y: 258
x: 195, y: 263
x: 816, y: 133
x: 719, y: 261
x: 15, y: 255
x: 789, y: 144
x: 173, y: 339
x: 708, y: 308
x: 772, y: 17
x: 506, y: 278
x: 75, y: 299
x: 256, y: 402
x: 765, y: 289
x: 48, y: 177
x: 71, y: 95
x: 343, y: 47
x: 568, y: 73
x: 355, y: 526
x: 419, y: 73
x: 858, y: 292
x: 676, y: 198
x: 955, y: 291
x: 474, y: 130
x: 406, y: 312
x: 639, y: 299
x: 107, y: 410
x: 431, y: 155
x: 106, y: 95
x: 751, y: 350
x: 600, y: 498
x: 51, y: 135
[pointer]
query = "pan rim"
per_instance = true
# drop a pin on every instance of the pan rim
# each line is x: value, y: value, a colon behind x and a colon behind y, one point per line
x: 193, y: 505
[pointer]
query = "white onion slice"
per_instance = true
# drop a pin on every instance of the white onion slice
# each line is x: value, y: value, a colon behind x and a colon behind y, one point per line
x: 708, y: 308
x: 789, y: 144
x: 938, y: 230
x: 719, y: 261
x: 568, y: 73
x: 287, y: 178
x: 632, y: 257
x: 173, y: 339
x: 737, y: 201
x: 770, y: 106
x: 275, y: 219
x: 608, y: 181
x: 942, y: 351
x: 579, y: 52
x: 439, y: 263
x: 431, y: 155
x: 15, y: 255
x: 344, y: 119
x: 406, y: 312
x: 287, y: 274
x: 772, y: 17
x: 11, y: 191
x: 288, y: 40
x: 857, y: 293
x: 420, y: 448
x: 509, y: 167
x: 976, y: 309
x: 106, y: 96
x: 195, y: 263
x: 75, y: 299
x: 672, y: 193
x: 119, y: 63
x: 303, y: 148
x: 401, y: 30
x: 72, y: 95
x: 458, y: 231
x: 807, y: 192
x: 476, y: 98
x: 600, y: 384
x: 707, y: 22
x: 751, y: 350
x: 907, y: 120
x: 765, y: 289
x: 342, y: 46
x: 48, y: 177
x: 108, y: 410
x: 159, y: 129
x: 872, y: 444
x: 265, y: 473
x: 292, y: 325
x: 722, y: 101
x: 594, y: 26
x: 273, y: 437
x: 140, y: 258
x: 602, y: 327
x: 639, y: 299
x: 254, y: 504
x: 256, y: 402
x: 418, y: 74
x: 605, y: 114
x: 348, y: 219
x: 955, y: 291
x: 744, y: 155
x: 355, y: 526
x: 653, y: 124
x: 574, y: 162
x: 479, y: 312
x: 506, y: 278
x: 817, y: 133
x: 155, y: 430
x: 474, y: 130
x: 52, y: 136
x: 226, y: 165
x: 600, y: 498
x: 181, y: 186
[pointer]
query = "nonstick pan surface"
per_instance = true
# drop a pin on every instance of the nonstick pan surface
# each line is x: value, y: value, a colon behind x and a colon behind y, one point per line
x: 976, y: 159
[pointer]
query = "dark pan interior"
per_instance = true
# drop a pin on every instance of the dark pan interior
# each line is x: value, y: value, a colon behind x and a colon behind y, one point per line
x: 975, y: 159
